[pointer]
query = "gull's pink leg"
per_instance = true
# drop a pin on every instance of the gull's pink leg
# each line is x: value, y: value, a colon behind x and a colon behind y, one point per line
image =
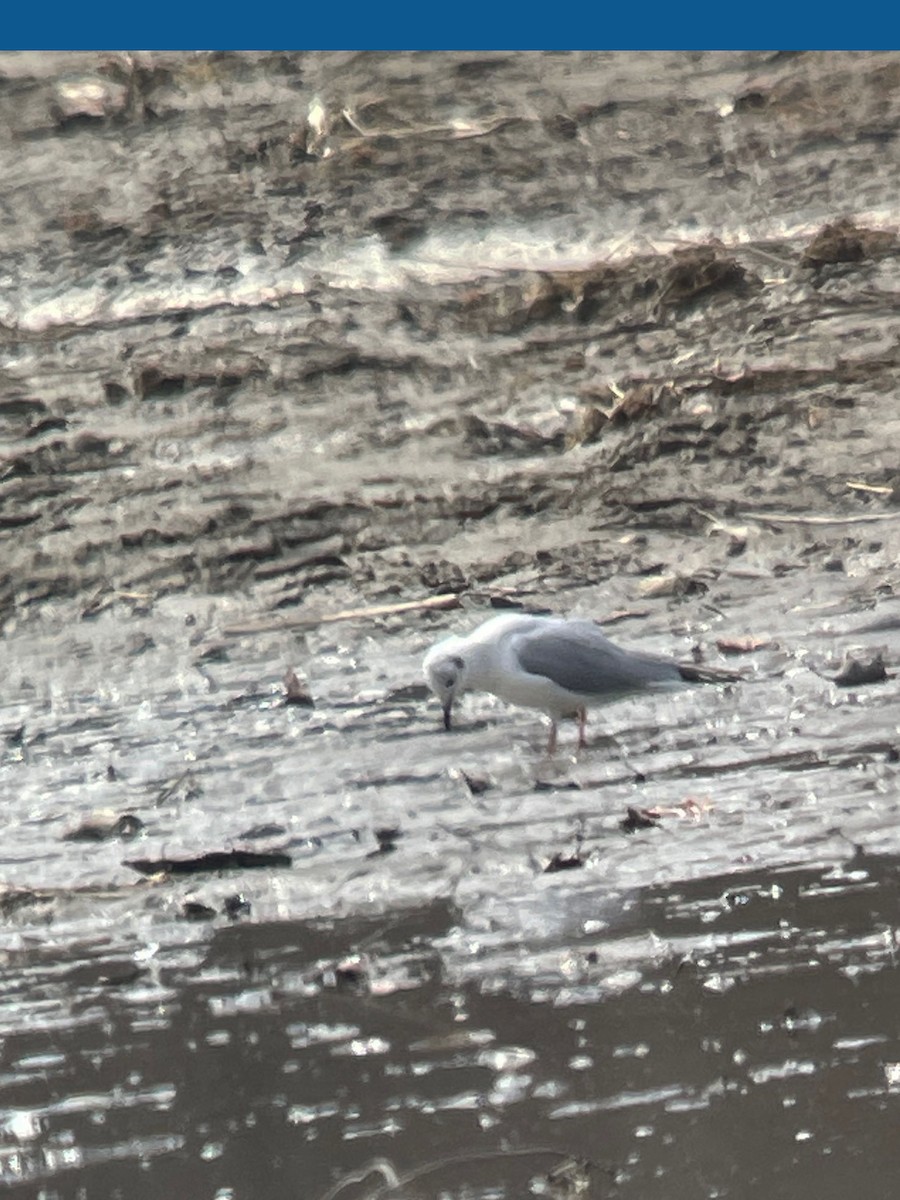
x: 582, y: 722
x: 551, y: 742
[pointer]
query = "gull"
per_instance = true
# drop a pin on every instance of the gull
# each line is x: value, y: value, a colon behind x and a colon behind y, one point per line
x: 562, y: 666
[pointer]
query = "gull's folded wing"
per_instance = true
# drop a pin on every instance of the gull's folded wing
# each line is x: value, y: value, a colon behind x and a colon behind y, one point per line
x: 576, y: 656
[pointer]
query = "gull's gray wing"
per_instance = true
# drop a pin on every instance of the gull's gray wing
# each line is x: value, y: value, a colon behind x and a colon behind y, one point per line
x: 576, y: 656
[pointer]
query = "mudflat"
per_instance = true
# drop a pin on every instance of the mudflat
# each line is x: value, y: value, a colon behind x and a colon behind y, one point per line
x: 310, y: 359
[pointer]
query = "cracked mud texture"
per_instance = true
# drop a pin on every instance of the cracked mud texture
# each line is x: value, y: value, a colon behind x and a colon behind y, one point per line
x: 291, y: 337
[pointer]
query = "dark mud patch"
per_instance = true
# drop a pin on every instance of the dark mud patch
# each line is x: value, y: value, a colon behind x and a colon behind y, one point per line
x: 214, y: 861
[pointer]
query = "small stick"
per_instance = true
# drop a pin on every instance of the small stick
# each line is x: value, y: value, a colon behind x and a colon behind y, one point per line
x: 793, y: 519
x: 451, y: 600
x: 347, y: 114
x: 878, y: 489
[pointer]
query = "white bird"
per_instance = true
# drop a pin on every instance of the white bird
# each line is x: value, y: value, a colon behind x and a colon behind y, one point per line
x: 560, y: 666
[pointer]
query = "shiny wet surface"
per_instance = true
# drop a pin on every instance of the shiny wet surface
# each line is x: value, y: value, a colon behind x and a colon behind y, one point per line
x: 241, y: 433
x: 733, y: 1033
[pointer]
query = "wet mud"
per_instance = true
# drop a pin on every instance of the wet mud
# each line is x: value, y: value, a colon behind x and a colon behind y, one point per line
x: 308, y: 360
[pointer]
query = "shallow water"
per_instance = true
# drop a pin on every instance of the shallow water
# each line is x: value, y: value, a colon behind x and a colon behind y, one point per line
x: 230, y: 418
x: 715, y: 1036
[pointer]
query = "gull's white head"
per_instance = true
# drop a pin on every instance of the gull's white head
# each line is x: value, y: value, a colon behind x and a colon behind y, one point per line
x: 445, y: 673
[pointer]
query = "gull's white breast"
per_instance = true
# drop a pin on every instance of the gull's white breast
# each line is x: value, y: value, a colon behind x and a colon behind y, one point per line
x: 501, y: 674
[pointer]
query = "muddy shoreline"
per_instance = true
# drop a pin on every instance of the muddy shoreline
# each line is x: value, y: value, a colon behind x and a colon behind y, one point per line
x: 309, y: 359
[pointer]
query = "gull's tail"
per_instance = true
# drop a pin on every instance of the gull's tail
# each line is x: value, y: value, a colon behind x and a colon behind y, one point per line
x: 691, y: 673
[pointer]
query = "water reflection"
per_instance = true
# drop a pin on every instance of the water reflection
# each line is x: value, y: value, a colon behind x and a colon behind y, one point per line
x: 736, y: 1030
